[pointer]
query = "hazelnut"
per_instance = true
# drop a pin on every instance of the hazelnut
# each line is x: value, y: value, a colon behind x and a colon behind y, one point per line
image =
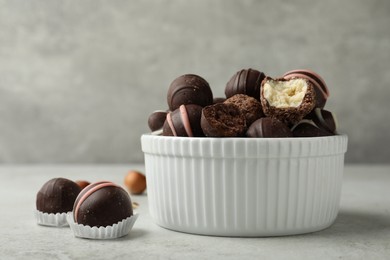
x: 82, y: 184
x: 135, y: 182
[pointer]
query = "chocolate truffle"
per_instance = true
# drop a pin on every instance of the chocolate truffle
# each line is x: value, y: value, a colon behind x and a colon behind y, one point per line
x: 156, y: 120
x: 223, y: 120
x: 322, y: 92
x: 184, y: 121
x: 246, y: 81
x: 189, y: 89
x: 249, y: 106
x: 268, y: 127
x: 307, y: 128
x: 288, y: 100
x: 324, y: 119
x: 218, y: 100
x: 57, y: 196
x: 102, y: 204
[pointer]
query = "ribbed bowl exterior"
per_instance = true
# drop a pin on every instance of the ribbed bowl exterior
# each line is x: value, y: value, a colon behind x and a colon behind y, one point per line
x: 244, y: 186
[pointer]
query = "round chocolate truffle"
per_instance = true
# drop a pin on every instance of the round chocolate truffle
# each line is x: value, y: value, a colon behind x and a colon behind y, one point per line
x: 268, y: 127
x: 288, y: 100
x: 322, y: 92
x: 189, y: 89
x: 246, y: 81
x: 307, y: 128
x: 223, y: 120
x: 184, y: 121
x: 156, y: 120
x: 249, y: 106
x: 57, y: 196
x: 102, y: 204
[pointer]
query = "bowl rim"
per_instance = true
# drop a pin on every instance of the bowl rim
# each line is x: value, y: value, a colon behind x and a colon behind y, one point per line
x: 269, y: 148
x: 340, y: 135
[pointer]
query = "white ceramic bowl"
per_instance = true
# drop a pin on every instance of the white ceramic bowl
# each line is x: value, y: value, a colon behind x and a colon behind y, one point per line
x: 244, y: 186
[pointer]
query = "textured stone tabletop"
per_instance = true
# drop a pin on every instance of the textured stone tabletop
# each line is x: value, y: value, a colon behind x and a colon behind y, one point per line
x: 361, y: 230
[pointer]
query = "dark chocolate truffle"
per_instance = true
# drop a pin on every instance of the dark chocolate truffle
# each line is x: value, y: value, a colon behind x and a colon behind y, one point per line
x: 307, y: 128
x: 223, y: 120
x: 102, y: 204
x: 218, y: 100
x: 249, y: 106
x: 156, y: 120
x: 246, y: 81
x: 184, y: 121
x: 322, y: 92
x: 268, y: 127
x: 324, y: 119
x: 189, y: 89
x: 57, y: 196
x: 288, y: 100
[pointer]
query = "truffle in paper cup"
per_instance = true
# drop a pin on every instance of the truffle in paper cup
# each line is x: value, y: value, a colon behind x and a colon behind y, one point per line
x: 103, y: 210
x: 57, y: 196
x: 117, y: 230
x: 54, y: 199
x: 51, y: 219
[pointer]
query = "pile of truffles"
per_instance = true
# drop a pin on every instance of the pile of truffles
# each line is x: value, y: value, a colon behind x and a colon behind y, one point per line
x: 256, y: 105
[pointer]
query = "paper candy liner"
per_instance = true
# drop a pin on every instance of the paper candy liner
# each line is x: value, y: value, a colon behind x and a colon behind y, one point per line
x: 119, y: 229
x: 51, y: 219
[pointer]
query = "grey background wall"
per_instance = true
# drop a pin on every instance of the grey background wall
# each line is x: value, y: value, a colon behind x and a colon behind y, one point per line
x: 78, y: 79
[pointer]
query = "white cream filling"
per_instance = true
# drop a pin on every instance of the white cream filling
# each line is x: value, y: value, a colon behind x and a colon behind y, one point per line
x: 282, y: 94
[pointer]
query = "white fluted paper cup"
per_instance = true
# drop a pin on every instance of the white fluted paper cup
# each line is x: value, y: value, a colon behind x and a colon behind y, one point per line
x: 244, y: 186
x: 120, y: 229
x: 51, y: 219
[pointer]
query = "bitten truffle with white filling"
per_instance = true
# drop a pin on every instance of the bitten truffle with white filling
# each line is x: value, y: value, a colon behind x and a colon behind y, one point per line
x: 288, y: 100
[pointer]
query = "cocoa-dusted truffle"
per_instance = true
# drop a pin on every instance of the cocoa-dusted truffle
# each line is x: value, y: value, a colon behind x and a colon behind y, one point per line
x: 319, y: 85
x: 57, y: 196
x: 184, y: 121
x: 156, y: 120
x: 249, y: 106
x: 102, y: 204
x: 307, y: 128
x: 189, y: 89
x: 223, y: 120
x: 268, y: 127
x: 288, y: 100
x: 246, y: 81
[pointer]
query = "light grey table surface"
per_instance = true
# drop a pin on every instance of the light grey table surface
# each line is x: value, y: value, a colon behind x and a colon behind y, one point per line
x: 361, y: 230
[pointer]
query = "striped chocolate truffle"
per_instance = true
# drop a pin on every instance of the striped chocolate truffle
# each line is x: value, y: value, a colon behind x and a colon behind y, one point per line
x: 189, y: 89
x: 184, y: 121
x: 245, y: 81
x: 102, y: 204
x: 57, y: 196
